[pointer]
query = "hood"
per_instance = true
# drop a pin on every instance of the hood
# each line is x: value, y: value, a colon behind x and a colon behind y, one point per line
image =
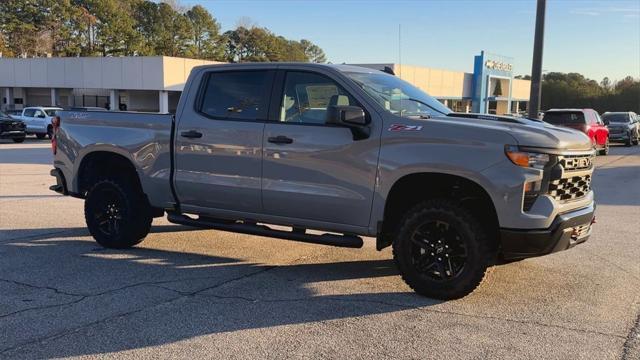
x: 531, y: 133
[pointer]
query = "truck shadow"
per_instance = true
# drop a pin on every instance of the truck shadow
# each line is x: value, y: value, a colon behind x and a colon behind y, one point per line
x: 169, y: 296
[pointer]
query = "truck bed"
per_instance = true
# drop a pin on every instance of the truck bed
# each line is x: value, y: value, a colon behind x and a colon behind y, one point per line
x: 143, y: 138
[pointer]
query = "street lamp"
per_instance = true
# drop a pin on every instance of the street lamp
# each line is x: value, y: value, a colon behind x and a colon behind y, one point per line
x: 536, y: 68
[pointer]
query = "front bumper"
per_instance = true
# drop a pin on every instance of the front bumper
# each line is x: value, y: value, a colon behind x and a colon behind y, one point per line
x: 12, y: 134
x: 567, y: 230
x: 619, y: 136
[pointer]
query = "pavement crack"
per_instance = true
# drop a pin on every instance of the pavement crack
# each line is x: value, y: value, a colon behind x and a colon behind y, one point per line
x: 57, y: 291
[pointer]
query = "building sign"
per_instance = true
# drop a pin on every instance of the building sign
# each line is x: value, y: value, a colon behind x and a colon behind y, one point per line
x: 498, y: 65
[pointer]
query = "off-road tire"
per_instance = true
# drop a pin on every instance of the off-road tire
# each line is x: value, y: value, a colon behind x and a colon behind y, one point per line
x: 120, y: 200
x: 471, y: 234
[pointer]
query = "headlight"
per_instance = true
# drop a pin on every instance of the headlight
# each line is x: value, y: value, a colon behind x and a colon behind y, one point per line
x: 526, y: 159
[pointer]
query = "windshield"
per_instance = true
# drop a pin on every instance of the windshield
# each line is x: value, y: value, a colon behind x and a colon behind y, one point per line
x: 398, y: 96
x: 617, y: 118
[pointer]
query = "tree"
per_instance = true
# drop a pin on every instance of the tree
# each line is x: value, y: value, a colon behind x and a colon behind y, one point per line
x: 21, y: 22
x: 33, y: 28
x: 313, y: 52
x: 606, y: 83
x: 205, y: 33
x: 173, y: 32
x: 113, y: 32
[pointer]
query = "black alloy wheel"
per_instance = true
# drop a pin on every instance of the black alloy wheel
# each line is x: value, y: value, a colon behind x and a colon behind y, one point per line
x: 438, y: 251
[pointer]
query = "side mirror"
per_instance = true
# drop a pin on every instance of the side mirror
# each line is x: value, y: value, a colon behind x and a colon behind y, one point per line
x: 346, y: 115
x: 349, y: 116
x: 42, y: 116
x: 606, y: 122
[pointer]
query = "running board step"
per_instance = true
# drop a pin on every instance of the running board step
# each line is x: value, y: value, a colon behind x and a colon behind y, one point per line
x: 350, y: 241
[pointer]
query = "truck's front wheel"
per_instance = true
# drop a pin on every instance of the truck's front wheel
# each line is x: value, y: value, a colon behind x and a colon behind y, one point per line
x: 117, y: 214
x: 440, y: 250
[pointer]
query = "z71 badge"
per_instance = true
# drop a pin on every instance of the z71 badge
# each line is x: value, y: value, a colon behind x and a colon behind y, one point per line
x: 400, y: 127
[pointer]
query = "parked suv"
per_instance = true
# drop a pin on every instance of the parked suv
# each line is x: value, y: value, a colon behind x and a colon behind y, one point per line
x: 38, y: 120
x: 11, y: 128
x: 586, y: 120
x: 623, y: 127
x: 343, y: 150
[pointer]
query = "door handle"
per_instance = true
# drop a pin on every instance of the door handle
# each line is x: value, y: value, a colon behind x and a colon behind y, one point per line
x: 280, y: 139
x: 192, y: 134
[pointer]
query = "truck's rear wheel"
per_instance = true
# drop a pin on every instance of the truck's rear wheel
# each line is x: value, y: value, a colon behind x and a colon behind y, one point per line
x: 117, y: 214
x: 440, y: 250
x: 40, y: 136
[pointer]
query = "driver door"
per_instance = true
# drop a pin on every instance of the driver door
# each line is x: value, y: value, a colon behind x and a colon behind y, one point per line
x: 312, y: 170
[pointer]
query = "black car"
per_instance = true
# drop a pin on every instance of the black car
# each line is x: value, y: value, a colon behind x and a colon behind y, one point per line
x: 12, y: 128
x: 623, y: 127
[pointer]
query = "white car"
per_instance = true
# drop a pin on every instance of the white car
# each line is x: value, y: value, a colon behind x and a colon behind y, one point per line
x: 38, y: 120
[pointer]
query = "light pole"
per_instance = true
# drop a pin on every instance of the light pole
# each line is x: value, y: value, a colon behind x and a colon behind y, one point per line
x: 536, y: 67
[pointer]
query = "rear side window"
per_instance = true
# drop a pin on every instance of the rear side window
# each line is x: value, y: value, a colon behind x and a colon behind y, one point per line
x: 563, y: 118
x: 241, y: 95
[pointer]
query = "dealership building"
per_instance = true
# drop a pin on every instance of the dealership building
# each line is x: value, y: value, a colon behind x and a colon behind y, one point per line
x: 154, y: 83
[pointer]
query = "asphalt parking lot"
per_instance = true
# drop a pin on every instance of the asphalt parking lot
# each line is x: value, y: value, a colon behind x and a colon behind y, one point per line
x: 187, y: 293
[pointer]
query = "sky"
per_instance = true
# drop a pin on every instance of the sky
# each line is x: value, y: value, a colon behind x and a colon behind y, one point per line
x: 594, y: 38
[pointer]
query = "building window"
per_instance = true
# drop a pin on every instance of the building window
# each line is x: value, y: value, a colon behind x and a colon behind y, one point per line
x: 461, y: 105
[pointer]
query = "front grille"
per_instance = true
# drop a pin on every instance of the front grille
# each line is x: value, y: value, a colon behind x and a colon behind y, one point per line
x: 570, y: 188
x: 576, y: 162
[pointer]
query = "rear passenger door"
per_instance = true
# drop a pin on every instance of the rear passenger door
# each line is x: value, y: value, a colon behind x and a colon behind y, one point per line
x: 218, y: 144
x: 313, y: 170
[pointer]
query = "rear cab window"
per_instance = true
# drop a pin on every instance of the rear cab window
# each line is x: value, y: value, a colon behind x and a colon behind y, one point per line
x: 236, y: 95
x: 564, y: 118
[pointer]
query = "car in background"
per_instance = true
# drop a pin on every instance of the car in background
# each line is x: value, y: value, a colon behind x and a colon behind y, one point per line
x: 623, y: 127
x: 587, y: 121
x: 11, y: 128
x: 38, y: 120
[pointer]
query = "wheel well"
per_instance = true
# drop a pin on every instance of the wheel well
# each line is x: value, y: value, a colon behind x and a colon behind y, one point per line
x: 412, y: 189
x: 103, y: 164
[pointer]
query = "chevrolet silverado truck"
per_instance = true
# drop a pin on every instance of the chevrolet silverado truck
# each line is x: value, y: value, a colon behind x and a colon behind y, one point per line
x: 329, y: 154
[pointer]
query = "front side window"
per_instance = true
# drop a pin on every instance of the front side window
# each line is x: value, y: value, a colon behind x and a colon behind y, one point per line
x: 307, y: 96
x: 238, y: 95
x: 29, y: 112
x: 398, y: 96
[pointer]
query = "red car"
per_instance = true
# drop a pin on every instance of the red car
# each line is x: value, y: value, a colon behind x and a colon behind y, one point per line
x: 586, y: 120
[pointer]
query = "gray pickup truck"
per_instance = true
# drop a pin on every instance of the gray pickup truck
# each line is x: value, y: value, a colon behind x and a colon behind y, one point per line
x: 331, y: 153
